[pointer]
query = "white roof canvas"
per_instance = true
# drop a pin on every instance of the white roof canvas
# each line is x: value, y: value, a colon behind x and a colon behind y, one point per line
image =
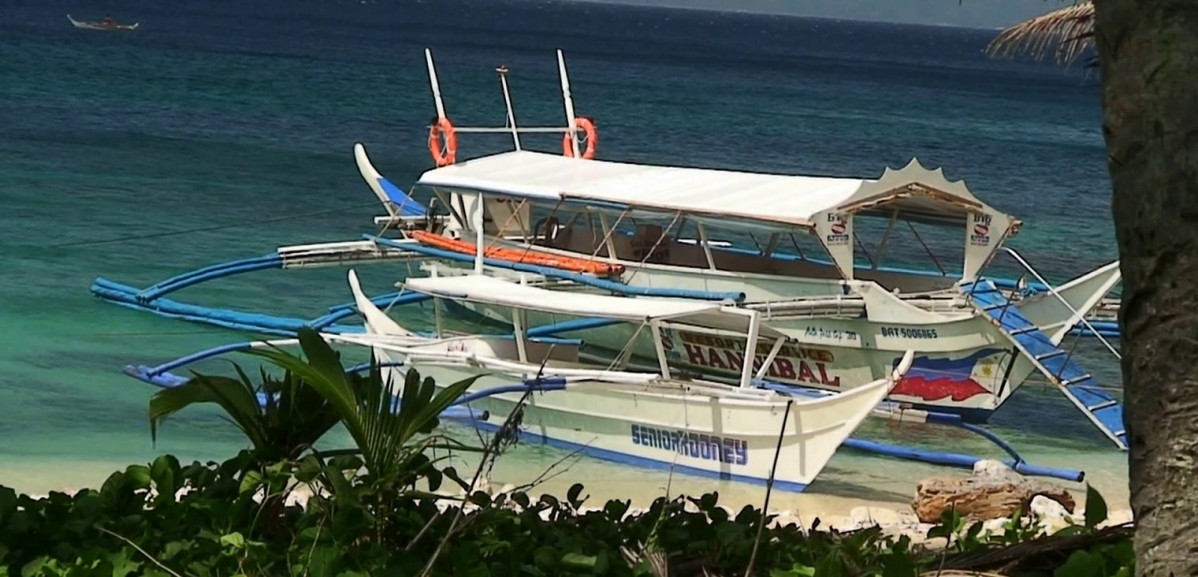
x: 785, y: 199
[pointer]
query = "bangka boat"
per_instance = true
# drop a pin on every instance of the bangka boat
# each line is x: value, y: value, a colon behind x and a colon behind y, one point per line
x: 644, y: 416
x: 105, y: 24
x: 660, y: 419
x: 841, y: 324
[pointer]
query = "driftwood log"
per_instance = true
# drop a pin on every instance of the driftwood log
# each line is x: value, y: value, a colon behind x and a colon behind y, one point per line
x: 992, y: 493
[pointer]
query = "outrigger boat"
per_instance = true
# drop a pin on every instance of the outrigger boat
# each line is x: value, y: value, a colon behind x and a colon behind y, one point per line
x: 645, y: 418
x: 105, y: 24
x: 842, y: 324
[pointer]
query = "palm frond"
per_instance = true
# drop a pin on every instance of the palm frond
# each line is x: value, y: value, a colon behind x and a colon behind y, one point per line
x: 1066, y: 33
x: 382, y: 421
x: 237, y: 398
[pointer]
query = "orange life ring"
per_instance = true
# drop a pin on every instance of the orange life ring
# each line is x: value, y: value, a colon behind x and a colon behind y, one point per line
x: 519, y: 255
x: 443, y: 156
x: 584, y: 124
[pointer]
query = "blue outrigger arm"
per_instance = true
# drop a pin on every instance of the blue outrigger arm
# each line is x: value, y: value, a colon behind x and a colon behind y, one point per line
x: 161, y: 376
x: 372, y: 248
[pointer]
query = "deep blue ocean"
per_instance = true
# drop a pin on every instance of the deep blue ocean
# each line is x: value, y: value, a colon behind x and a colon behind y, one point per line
x: 221, y: 130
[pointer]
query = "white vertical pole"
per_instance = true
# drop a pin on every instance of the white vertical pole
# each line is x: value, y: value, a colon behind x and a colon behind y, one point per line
x: 432, y: 78
x: 569, y: 101
x: 507, y: 99
x: 706, y: 245
x: 437, y: 317
x: 746, y: 371
x: 478, y: 233
x: 662, y: 361
x: 518, y: 325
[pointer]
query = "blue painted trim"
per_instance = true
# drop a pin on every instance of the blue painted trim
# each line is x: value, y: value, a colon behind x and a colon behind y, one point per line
x: 347, y: 310
x: 544, y: 385
x: 631, y: 460
x: 406, y: 204
x: 196, y: 357
x: 383, y: 300
x: 955, y: 421
x: 973, y: 416
x: 208, y: 273
x: 958, y: 459
x: 215, y: 267
x: 126, y: 296
x: 612, y: 286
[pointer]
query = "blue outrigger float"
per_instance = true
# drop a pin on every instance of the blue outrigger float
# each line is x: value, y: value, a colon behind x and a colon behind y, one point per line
x: 393, y: 242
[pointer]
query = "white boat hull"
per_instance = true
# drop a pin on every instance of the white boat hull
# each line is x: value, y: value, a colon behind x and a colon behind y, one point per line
x: 637, y: 418
x: 661, y: 426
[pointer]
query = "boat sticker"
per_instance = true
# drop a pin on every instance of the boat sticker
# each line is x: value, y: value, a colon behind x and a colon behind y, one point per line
x: 900, y: 332
x: 980, y: 235
x: 830, y: 334
x: 803, y: 364
x: 697, y: 445
x: 933, y: 379
x: 838, y: 230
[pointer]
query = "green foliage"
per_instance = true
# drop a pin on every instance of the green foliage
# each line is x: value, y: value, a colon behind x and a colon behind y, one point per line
x: 218, y: 528
x: 369, y: 512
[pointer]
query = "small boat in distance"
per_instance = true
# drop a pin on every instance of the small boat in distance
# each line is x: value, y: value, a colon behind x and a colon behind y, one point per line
x: 106, y: 24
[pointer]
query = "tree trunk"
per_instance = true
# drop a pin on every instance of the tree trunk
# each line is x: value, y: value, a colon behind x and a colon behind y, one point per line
x: 1148, y: 53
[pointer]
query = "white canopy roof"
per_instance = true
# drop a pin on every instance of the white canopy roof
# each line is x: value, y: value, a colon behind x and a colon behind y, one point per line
x: 490, y: 290
x: 785, y: 199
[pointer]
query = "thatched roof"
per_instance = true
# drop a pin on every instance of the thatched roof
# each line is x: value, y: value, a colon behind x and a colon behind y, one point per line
x: 1069, y: 30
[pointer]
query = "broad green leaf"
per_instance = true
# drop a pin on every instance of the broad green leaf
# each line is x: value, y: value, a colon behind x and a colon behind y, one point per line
x: 239, y: 403
x: 164, y: 472
x: 122, y: 565
x: 324, y: 561
x: 138, y: 476
x: 898, y: 565
x: 234, y: 540
x: 1096, y: 511
x: 1081, y: 563
x: 830, y: 566
x: 799, y: 570
x: 250, y: 482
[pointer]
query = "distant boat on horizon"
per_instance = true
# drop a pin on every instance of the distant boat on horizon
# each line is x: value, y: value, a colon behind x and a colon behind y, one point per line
x: 105, y: 24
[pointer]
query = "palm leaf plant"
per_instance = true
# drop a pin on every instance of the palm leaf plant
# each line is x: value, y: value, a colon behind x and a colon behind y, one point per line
x: 384, y: 426
x: 283, y: 418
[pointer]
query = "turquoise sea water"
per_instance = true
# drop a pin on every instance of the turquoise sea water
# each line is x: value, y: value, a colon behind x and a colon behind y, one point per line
x: 220, y: 131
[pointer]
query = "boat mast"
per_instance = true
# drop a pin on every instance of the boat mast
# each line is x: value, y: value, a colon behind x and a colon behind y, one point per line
x: 477, y: 215
x: 569, y: 102
x: 507, y: 99
x: 432, y: 78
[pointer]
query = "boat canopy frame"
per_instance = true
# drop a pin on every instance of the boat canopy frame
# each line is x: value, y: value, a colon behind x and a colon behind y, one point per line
x: 777, y: 203
x: 648, y: 311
